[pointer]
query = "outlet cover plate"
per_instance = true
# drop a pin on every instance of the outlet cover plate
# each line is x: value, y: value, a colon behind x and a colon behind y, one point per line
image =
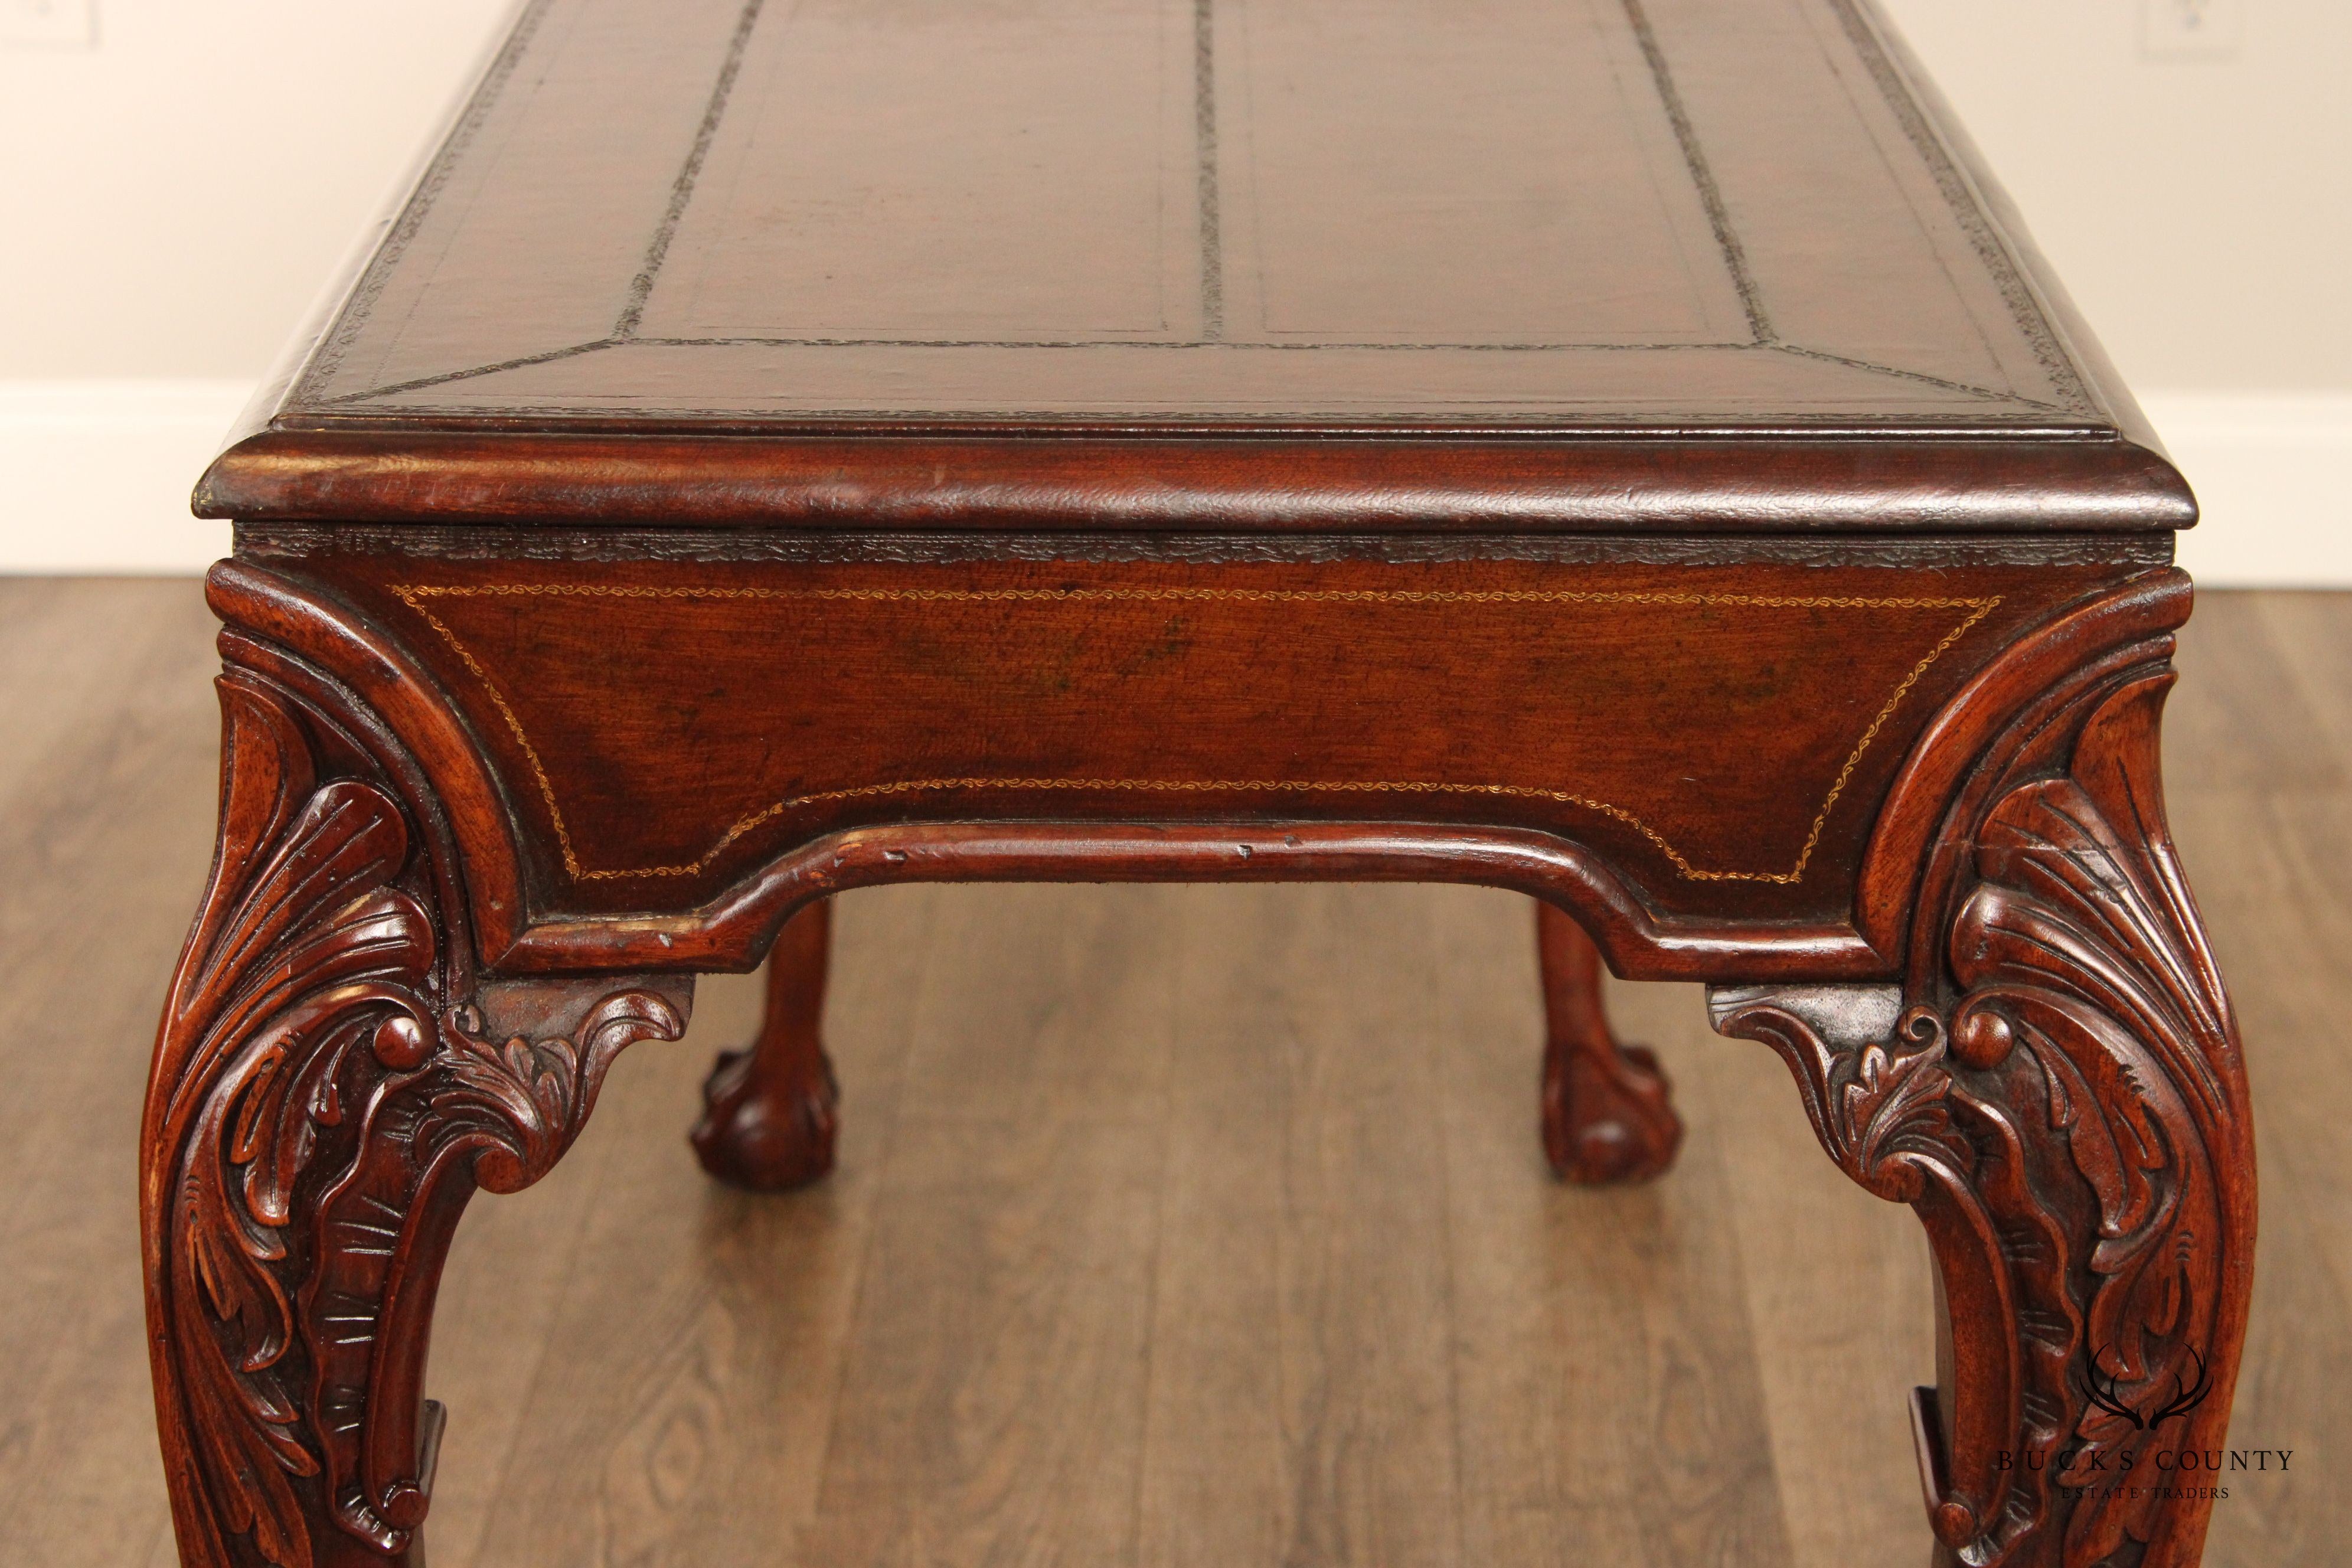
x: 49, y: 24
x: 2192, y: 29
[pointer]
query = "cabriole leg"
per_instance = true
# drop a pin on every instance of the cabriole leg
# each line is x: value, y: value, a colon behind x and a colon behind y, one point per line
x: 2058, y: 1092
x: 1606, y: 1114
x: 768, y: 1118
x: 330, y: 1088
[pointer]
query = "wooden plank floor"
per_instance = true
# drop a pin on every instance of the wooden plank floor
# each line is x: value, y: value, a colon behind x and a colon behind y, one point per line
x: 1180, y: 1227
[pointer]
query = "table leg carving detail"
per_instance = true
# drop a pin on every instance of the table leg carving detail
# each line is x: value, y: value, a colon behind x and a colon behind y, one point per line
x: 1607, y: 1116
x: 324, y: 1100
x: 2062, y: 1101
x: 769, y: 1120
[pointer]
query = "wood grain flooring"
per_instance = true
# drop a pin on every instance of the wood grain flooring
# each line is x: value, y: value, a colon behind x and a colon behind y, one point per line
x: 1180, y: 1227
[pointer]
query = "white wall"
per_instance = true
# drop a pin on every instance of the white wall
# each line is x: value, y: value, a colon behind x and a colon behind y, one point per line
x: 187, y: 185
x: 174, y: 197
x: 2199, y: 210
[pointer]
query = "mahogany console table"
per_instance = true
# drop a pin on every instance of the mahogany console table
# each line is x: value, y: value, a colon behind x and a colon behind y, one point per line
x: 1621, y: 450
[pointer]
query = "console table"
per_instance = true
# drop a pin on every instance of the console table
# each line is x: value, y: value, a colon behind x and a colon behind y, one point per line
x: 1621, y: 450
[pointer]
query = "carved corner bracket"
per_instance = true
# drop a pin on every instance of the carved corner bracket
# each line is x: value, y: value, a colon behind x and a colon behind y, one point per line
x: 324, y: 1099
x: 2058, y: 1092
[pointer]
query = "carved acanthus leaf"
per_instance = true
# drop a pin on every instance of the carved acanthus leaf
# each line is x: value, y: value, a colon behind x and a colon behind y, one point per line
x: 303, y: 1068
x: 476, y: 1111
x: 1878, y: 1107
x: 2060, y: 1107
x: 2079, y: 950
x: 314, y: 954
x: 522, y: 1102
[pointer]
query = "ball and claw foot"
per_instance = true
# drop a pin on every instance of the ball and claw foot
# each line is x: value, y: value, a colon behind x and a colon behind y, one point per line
x: 1607, y: 1116
x: 770, y: 1112
x: 1609, y: 1122
x: 754, y: 1138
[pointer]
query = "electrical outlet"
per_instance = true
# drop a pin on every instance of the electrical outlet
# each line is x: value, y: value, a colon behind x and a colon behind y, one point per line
x: 49, y: 24
x: 2192, y: 29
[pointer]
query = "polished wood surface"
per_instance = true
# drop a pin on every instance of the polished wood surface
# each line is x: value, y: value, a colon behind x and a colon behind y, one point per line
x: 647, y: 1369
x: 1623, y: 454
x: 1338, y: 485
x: 1732, y: 785
x: 2019, y: 1030
x: 1615, y: 230
x: 661, y: 733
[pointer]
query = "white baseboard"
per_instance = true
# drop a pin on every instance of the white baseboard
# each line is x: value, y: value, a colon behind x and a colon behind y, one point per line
x: 2270, y: 470
x: 99, y: 474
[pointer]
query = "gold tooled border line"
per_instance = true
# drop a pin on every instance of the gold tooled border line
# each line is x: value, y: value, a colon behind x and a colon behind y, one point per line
x: 413, y: 596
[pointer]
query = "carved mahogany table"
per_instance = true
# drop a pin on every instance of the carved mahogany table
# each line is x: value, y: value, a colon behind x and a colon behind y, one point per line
x: 1623, y: 450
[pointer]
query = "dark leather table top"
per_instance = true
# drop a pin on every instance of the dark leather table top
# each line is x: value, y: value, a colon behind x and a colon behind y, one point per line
x: 1578, y: 265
